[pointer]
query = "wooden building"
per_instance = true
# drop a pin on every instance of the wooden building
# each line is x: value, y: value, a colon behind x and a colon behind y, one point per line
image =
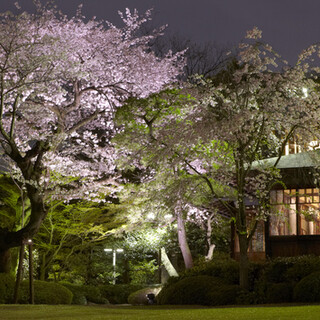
x: 293, y: 227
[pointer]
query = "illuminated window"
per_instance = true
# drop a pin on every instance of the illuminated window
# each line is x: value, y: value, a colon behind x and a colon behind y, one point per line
x: 293, y: 207
x: 283, y: 213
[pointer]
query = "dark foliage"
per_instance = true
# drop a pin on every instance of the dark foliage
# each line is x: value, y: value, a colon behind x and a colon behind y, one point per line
x: 202, y: 290
x: 119, y: 293
x: 279, y: 292
x: 308, y: 289
x: 7, y: 282
x: 45, y: 293
x: 83, y: 294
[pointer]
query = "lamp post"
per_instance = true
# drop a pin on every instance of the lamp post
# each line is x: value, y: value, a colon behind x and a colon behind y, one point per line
x: 114, y: 261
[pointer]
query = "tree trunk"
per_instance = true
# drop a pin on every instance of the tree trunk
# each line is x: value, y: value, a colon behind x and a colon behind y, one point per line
x: 210, y: 252
x: 244, y: 261
x: 42, y: 267
x: 11, y: 239
x: 19, y: 274
x: 183, y: 243
x: 211, y: 246
x: 167, y: 264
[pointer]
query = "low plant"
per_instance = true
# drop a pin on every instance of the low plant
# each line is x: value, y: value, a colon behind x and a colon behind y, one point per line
x: 118, y: 293
x: 308, y: 288
x: 7, y: 282
x: 279, y: 292
x: 45, y: 293
x: 203, y: 290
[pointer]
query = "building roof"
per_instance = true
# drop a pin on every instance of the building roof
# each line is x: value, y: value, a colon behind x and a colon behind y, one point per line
x: 309, y: 159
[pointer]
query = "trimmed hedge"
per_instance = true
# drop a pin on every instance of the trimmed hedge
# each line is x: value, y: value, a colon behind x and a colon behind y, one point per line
x: 118, y: 293
x: 308, y: 289
x: 7, y: 282
x: 203, y: 290
x: 291, y: 269
x: 225, y: 269
x: 279, y: 292
x: 84, y: 294
x: 45, y: 293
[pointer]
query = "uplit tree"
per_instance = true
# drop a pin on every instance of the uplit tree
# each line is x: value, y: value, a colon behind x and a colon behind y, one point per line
x: 251, y: 109
x: 153, y: 139
x: 60, y: 82
x: 245, y: 113
x: 69, y: 228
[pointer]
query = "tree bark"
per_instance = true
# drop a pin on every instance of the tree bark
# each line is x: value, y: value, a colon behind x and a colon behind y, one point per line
x: 42, y: 267
x: 19, y: 274
x: 11, y: 239
x: 167, y: 264
x: 211, y: 246
x: 241, y: 219
x: 210, y: 252
x: 244, y: 261
x: 183, y: 243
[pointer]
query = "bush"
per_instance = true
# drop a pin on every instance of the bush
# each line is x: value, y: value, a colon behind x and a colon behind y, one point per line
x: 301, y: 267
x: 93, y: 294
x: 246, y: 297
x: 224, y: 295
x: 224, y: 268
x: 7, y: 282
x: 45, y: 293
x: 140, y: 297
x: 291, y: 269
x: 276, y: 269
x: 279, y: 292
x: 203, y: 290
x: 79, y: 297
x: 118, y: 293
x: 84, y: 294
x: 308, y: 289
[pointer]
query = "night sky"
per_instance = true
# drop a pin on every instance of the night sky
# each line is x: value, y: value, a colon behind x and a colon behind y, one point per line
x: 288, y: 25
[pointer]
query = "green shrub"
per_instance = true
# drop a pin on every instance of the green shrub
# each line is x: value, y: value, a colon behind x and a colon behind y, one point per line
x: 118, y: 293
x: 225, y: 294
x: 225, y: 268
x: 7, y: 282
x: 301, y: 267
x: 285, y: 271
x: 290, y: 269
x: 276, y: 269
x: 246, y: 297
x: 93, y: 294
x: 79, y: 297
x: 256, y: 271
x: 83, y: 294
x: 45, y: 293
x: 279, y: 292
x: 140, y: 297
x: 308, y: 289
x: 203, y: 290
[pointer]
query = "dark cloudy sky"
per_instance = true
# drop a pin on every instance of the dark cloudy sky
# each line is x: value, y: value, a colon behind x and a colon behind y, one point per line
x: 288, y: 25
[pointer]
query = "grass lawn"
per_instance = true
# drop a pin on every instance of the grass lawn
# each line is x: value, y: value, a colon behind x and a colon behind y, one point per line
x: 29, y: 312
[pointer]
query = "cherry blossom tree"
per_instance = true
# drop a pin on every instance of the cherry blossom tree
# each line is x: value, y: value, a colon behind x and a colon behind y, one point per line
x: 220, y: 128
x: 251, y: 109
x: 61, y: 80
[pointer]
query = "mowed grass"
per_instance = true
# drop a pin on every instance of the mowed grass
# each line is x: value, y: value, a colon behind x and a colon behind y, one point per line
x: 26, y: 312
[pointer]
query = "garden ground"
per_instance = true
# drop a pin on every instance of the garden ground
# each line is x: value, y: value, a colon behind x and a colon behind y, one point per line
x: 63, y: 312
